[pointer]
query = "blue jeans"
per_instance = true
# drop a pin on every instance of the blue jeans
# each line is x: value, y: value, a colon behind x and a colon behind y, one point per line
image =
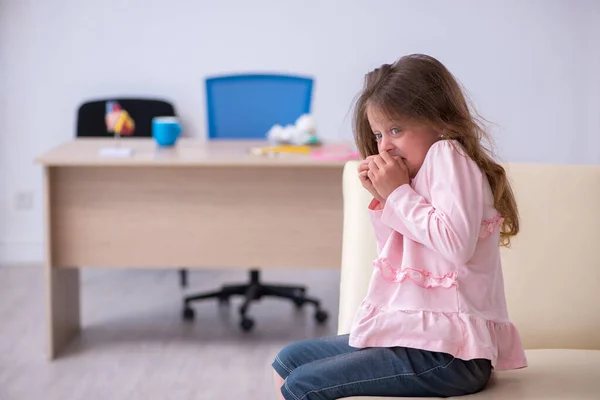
x: 329, y: 368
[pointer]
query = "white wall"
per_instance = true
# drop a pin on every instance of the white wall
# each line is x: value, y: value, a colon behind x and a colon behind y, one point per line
x: 532, y: 67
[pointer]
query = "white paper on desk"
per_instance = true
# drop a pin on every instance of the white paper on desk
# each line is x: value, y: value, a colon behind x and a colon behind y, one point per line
x: 116, y: 152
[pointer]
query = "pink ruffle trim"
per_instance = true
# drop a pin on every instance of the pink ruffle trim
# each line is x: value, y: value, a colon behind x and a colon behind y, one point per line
x: 421, y: 277
x: 490, y: 225
x: 461, y: 335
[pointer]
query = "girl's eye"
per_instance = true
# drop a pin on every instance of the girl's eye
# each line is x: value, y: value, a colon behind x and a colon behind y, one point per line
x: 378, y: 136
x: 395, y: 131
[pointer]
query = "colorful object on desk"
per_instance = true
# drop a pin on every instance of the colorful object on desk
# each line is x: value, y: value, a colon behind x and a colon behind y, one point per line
x: 323, y: 152
x: 335, y: 153
x: 118, y: 120
x: 272, y: 150
x: 166, y: 130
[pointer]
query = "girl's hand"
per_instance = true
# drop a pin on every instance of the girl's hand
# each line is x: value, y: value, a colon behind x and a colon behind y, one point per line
x: 387, y: 174
x: 363, y: 170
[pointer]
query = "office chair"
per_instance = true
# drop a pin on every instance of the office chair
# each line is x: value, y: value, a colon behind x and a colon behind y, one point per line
x: 246, y: 107
x: 90, y: 123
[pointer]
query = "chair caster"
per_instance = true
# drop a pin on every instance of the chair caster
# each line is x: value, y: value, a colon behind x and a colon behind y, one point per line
x: 223, y: 300
x: 298, y: 303
x: 247, y: 324
x: 321, y: 316
x: 188, y: 314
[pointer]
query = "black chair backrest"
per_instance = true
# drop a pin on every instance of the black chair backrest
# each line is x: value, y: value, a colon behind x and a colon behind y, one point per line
x: 90, y: 116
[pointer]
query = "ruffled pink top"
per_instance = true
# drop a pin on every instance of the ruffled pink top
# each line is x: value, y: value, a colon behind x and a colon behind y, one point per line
x: 437, y: 283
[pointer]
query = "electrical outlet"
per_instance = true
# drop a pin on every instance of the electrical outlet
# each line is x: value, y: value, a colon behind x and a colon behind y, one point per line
x: 24, y: 201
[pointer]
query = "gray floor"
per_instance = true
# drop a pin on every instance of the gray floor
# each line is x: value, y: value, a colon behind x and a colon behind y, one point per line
x: 135, y: 346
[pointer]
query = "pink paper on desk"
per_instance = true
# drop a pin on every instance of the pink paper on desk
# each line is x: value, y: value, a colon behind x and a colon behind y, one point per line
x: 335, y: 153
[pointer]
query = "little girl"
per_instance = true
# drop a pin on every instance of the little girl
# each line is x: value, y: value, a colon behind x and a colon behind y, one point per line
x: 434, y: 321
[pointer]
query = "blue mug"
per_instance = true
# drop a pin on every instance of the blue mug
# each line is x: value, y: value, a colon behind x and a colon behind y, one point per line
x: 165, y: 130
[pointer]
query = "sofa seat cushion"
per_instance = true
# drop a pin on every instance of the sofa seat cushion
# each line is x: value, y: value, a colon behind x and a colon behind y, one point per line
x: 551, y: 375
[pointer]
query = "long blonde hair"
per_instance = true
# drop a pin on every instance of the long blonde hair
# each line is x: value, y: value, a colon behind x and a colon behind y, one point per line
x: 418, y: 87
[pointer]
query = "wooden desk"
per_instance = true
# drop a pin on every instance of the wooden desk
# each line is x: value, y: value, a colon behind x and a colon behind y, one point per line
x: 200, y: 204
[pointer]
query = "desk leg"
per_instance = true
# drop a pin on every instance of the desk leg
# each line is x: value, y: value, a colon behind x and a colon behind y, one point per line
x: 62, y: 285
x: 63, y: 314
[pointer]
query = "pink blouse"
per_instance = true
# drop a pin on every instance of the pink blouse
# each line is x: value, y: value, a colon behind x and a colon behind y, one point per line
x: 437, y: 283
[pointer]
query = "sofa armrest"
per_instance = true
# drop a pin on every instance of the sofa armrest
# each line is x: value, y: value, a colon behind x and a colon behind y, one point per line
x: 359, y: 248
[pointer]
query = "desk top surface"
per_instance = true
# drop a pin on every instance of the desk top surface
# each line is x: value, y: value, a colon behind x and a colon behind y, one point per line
x: 187, y: 152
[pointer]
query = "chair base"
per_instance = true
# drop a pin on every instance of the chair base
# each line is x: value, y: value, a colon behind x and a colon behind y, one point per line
x: 253, y: 291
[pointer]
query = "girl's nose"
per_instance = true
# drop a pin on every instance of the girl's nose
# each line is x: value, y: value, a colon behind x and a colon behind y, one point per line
x: 386, y: 145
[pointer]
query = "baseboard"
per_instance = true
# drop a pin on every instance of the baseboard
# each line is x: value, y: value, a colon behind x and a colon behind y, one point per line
x: 21, y: 253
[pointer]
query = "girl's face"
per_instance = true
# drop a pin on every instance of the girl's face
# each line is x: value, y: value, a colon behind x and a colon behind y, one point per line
x: 410, y: 141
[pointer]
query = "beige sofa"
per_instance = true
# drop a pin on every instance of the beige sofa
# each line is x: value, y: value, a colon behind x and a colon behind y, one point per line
x: 552, y: 276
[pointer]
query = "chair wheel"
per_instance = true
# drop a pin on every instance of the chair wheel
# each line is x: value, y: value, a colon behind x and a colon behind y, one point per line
x: 247, y: 324
x: 298, y: 303
x: 188, y: 314
x: 321, y: 316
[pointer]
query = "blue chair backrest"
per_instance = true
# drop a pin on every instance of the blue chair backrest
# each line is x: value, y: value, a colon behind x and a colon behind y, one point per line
x: 247, y: 106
